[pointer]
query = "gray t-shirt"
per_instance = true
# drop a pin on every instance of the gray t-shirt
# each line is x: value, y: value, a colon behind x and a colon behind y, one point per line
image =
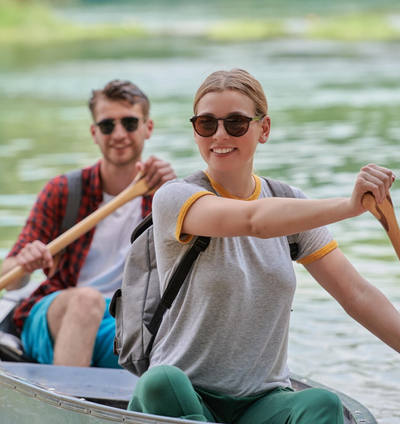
x: 228, y: 327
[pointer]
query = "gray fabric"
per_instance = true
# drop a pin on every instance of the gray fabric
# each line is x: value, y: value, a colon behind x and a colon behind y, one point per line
x: 74, y: 179
x: 228, y: 328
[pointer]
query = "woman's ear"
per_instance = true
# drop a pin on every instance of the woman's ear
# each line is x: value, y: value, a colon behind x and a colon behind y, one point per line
x: 266, y: 128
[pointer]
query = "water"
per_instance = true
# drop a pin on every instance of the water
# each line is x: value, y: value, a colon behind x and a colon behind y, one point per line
x: 334, y: 107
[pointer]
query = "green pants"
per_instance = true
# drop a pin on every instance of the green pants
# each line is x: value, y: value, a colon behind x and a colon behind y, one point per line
x: 167, y: 391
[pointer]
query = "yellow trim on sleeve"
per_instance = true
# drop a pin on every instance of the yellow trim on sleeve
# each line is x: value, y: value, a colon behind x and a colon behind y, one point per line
x: 182, y: 213
x: 319, y: 253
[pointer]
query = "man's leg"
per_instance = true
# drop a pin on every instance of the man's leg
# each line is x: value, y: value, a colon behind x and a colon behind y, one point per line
x: 73, y: 320
x: 103, y: 352
x: 35, y: 335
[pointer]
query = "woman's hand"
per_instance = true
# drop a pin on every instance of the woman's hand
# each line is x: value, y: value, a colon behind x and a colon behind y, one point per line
x: 371, y: 178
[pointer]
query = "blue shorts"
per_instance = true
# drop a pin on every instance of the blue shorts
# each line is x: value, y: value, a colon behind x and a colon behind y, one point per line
x: 38, y: 342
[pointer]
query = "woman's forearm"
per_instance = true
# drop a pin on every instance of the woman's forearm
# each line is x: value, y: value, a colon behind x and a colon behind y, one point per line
x: 373, y: 310
x: 276, y: 217
x: 264, y: 218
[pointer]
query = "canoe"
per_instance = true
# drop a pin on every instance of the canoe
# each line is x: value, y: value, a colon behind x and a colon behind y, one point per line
x: 37, y: 394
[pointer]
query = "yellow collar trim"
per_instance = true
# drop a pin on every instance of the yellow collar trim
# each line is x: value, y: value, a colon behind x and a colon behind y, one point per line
x: 224, y: 193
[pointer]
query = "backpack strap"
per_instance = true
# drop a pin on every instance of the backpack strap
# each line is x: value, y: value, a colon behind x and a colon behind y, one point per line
x: 182, y: 271
x: 280, y: 189
x: 74, y: 180
x: 142, y: 227
x: 176, y: 281
x: 174, y: 285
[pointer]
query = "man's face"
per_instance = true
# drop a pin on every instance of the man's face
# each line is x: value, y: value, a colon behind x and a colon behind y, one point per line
x: 120, y: 147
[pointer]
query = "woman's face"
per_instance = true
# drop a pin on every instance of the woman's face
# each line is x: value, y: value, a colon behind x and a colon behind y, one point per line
x: 222, y: 151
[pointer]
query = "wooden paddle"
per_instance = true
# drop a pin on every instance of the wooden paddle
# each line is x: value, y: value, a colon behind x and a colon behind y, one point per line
x: 138, y: 188
x: 384, y: 213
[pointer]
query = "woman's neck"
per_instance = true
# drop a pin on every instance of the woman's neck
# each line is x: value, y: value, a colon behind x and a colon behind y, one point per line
x: 241, y: 185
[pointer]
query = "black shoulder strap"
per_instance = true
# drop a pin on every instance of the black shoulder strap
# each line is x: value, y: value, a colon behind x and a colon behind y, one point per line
x: 142, y: 227
x: 176, y: 281
x: 74, y: 179
x: 280, y: 189
x: 180, y: 274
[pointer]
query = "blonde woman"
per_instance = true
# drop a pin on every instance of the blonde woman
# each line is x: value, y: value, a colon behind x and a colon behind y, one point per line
x: 220, y: 353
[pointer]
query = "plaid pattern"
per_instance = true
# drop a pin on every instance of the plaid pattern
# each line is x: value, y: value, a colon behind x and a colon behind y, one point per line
x: 44, y: 223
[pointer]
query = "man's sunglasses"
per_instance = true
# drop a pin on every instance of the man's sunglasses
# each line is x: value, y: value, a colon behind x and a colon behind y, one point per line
x: 130, y: 123
x: 235, y: 125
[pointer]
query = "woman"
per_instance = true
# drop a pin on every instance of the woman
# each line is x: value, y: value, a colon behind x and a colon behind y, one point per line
x: 220, y: 353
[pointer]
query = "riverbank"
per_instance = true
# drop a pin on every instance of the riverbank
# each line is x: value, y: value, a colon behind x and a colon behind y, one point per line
x: 28, y: 23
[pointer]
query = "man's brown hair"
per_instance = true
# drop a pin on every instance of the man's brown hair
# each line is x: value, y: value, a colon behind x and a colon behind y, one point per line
x: 121, y: 91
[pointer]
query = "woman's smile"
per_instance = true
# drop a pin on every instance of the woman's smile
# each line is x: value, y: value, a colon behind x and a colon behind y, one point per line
x: 222, y: 150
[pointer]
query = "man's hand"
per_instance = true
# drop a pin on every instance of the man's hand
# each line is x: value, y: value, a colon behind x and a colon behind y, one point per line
x: 157, y: 172
x: 34, y: 256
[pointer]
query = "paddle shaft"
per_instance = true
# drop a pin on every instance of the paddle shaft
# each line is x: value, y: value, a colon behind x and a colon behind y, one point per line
x: 137, y: 189
x: 384, y: 213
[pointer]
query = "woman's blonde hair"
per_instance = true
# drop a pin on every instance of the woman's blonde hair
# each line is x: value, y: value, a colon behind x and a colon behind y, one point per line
x: 236, y: 80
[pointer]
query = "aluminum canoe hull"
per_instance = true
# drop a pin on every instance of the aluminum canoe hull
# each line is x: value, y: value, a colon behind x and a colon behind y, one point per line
x: 41, y: 394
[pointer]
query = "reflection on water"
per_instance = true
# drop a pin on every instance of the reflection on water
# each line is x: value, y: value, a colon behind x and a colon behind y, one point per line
x: 334, y: 107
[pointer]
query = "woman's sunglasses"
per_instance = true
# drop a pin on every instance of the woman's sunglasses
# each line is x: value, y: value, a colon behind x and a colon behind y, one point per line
x: 235, y: 125
x: 130, y: 123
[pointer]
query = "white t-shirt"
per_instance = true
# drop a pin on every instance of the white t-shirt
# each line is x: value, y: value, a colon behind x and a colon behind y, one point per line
x: 104, y: 264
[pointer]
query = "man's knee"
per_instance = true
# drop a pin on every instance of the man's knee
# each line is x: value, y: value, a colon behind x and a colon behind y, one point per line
x: 83, y: 302
x: 87, y: 300
x: 84, y: 305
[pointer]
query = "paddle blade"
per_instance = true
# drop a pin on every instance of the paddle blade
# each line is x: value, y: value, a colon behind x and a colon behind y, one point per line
x: 384, y: 213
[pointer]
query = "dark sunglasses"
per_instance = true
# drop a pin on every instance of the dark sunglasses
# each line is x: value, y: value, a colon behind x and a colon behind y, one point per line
x: 130, y: 123
x: 235, y: 125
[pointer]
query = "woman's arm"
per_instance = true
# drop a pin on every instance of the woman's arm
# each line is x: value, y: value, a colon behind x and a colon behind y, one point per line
x: 275, y: 217
x: 264, y: 218
x: 359, y: 298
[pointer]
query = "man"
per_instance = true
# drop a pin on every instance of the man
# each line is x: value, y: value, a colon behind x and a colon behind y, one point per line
x: 66, y: 321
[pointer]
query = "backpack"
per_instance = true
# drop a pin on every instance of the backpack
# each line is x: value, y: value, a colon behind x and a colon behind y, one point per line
x: 138, y: 306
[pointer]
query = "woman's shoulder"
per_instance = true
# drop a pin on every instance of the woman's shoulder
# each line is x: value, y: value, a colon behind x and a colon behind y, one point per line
x: 195, y: 181
x: 179, y: 188
x: 277, y: 188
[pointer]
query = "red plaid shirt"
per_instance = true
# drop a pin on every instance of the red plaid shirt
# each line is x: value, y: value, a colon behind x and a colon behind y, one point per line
x: 44, y: 223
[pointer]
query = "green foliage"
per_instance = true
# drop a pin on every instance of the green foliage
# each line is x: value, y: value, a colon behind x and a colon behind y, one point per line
x: 247, y: 30
x: 35, y: 23
x: 17, y: 14
x: 356, y: 27
x: 27, y: 22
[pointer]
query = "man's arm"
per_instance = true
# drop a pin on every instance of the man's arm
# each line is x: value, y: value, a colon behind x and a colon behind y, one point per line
x: 41, y: 227
x: 359, y: 298
x: 31, y: 257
